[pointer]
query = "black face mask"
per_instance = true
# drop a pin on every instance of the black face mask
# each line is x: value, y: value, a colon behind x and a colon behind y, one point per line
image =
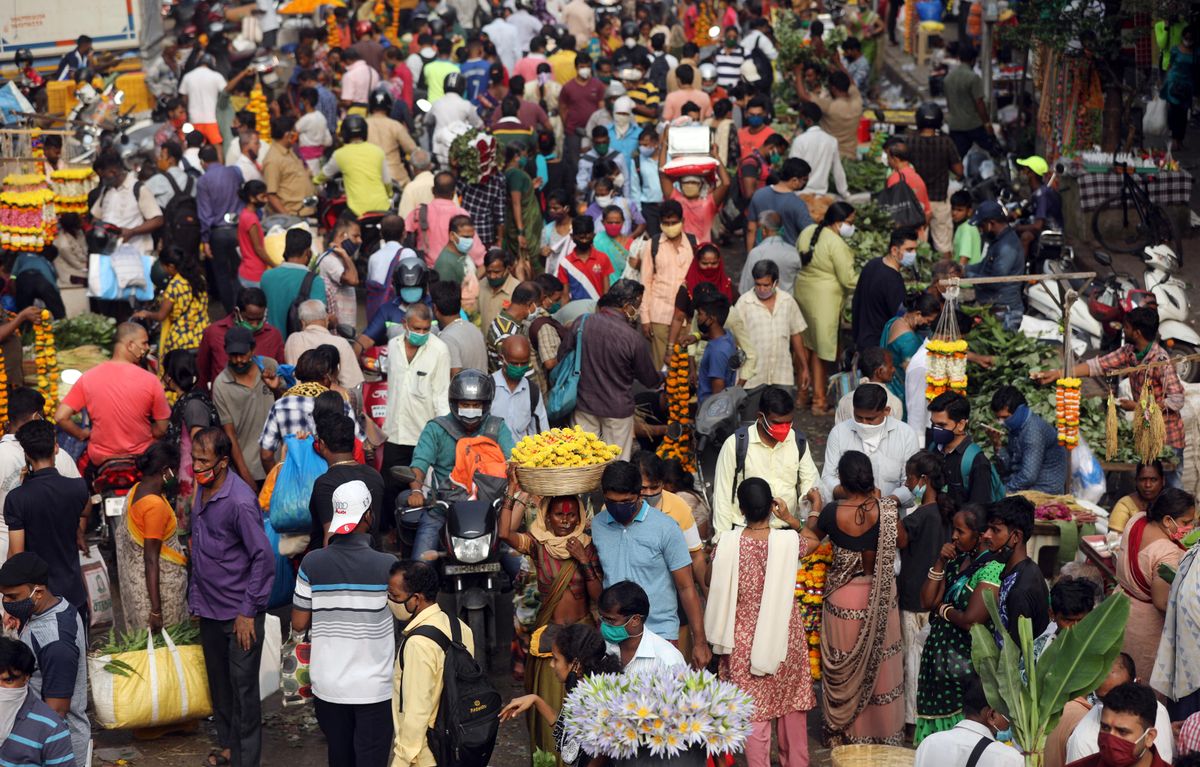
x: 241, y: 368
x: 1004, y: 553
x: 350, y: 247
x: 583, y: 247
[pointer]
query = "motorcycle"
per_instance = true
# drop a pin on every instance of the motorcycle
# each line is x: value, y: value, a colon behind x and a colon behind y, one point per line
x: 988, y: 176
x: 375, y: 389
x: 112, y: 483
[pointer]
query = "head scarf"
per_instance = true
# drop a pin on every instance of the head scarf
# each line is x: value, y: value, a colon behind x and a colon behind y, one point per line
x: 717, y: 275
x: 556, y: 545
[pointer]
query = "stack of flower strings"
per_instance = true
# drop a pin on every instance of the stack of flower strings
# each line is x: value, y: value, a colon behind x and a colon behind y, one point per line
x: 679, y: 396
x: 947, y: 352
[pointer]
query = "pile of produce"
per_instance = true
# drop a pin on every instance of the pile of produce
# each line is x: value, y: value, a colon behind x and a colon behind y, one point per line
x: 563, y: 447
x: 183, y: 633
x: 865, y: 175
x: 262, y: 113
x: 679, y: 395
x: 84, y: 330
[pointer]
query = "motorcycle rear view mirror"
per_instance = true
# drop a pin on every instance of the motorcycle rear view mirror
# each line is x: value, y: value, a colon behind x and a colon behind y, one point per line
x: 1103, y: 258
x: 309, y: 202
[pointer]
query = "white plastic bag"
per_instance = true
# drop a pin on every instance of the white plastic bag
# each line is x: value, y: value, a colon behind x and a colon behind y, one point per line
x: 269, y: 666
x: 1154, y: 123
x: 1087, y: 476
x: 95, y: 576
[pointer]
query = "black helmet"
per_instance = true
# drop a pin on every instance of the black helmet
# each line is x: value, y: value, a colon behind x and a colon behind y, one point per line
x: 471, y: 386
x: 380, y: 100
x: 354, y: 127
x: 629, y: 29
x: 24, y: 58
x: 455, y: 83
x: 411, y: 272
x: 929, y: 115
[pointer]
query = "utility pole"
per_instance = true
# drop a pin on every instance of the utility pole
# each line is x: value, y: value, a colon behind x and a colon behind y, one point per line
x: 991, y: 14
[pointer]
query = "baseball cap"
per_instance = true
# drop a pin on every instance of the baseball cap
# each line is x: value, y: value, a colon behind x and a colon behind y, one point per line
x: 988, y: 210
x: 350, y: 502
x: 750, y: 72
x: 238, y: 340
x: 1035, y: 163
x: 623, y: 106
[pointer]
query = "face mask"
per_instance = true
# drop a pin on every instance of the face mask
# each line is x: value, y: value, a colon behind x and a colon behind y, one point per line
x: 619, y: 181
x: 606, y: 79
x: 774, y: 158
x: 776, y: 431
x: 582, y: 247
x: 21, y: 609
x: 496, y: 282
x: 464, y: 244
x: 708, y: 87
x: 601, y: 149
x: 1005, y: 735
x: 654, y: 500
x: 206, y: 477
x: 630, y: 42
x: 939, y: 435
x: 418, y: 339
x: 1005, y: 552
x: 614, y: 634
x: 350, y: 247
x: 622, y: 511
x: 846, y: 230
x: 516, y: 372
x: 470, y: 414
x: 241, y: 368
x: 919, y: 491
x: 868, y: 430
x: 673, y: 231
x: 622, y: 120
x: 1180, y: 532
x: 400, y: 610
x: 908, y: 258
x: 756, y: 121
x: 691, y: 190
x: 543, y: 78
x: 647, y: 151
x: 253, y: 327
x: 604, y: 200
x: 411, y: 295
x: 1117, y: 752
x: 554, y: 307
x: 764, y: 293
x: 584, y: 73
x: 613, y: 230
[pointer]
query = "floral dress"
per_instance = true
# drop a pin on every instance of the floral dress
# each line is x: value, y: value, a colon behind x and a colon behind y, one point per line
x: 184, y: 326
x: 788, y: 690
x: 946, y: 659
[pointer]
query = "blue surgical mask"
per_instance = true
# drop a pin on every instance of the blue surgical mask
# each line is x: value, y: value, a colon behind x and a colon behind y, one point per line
x: 411, y: 295
x: 464, y: 244
x: 1017, y: 419
x: 647, y: 151
x: 919, y: 492
x: 908, y: 258
x: 1005, y: 736
x: 755, y: 121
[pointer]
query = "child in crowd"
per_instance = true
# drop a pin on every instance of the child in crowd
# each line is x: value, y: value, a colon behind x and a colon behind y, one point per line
x: 967, y: 245
x: 313, y: 130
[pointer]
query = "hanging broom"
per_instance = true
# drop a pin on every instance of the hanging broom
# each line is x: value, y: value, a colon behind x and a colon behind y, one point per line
x: 1110, y: 429
x: 1149, y: 429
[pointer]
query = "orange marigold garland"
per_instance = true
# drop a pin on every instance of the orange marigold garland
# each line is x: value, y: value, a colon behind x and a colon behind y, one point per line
x: 393, y: 30
x: 810, y: 593
x: 46, y: 361
x: 1066, y: 411
x: 262, y: 113
x: 679, y: 395
x: 3, y: 392
x: 333, y: 35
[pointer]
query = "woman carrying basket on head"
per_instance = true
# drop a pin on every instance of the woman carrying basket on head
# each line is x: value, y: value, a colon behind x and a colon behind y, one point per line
x: 568, y: 582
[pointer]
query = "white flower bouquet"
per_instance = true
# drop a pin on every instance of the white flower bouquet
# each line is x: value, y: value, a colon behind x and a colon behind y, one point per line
x: 665, y: 711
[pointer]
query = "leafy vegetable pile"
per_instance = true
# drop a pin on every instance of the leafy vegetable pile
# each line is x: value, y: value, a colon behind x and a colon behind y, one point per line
x: 183, y: 633
x: 83, y: 330
x: 865, y: 175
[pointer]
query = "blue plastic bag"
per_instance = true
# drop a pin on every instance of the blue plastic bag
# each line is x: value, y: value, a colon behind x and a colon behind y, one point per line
x: 285, y: 577
x: 293, y: 487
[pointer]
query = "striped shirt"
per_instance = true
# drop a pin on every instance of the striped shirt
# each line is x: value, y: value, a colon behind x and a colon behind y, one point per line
x: 645, y: 94
x: 39, y: 738
x: 729, y: 66
x: 344, y: 586
x: 59, y: 642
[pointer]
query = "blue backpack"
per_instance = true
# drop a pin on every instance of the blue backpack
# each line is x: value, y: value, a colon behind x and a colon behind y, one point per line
x: 968, y: 460
x: 564, y: 380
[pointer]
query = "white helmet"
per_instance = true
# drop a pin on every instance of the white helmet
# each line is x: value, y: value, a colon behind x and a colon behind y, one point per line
x: 708, y: 71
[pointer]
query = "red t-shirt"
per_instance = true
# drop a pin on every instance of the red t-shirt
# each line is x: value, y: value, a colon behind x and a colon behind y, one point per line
x: 121, y: 399
x: 597, y: 269
x: 915, y: 182
x: 698, y: 215
x: 252, y: 267
x: 578, y: 101
x: 748, y: 142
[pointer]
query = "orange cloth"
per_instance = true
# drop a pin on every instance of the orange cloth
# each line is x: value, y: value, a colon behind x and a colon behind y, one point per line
x: 152, y: 518
x: 211, y: 131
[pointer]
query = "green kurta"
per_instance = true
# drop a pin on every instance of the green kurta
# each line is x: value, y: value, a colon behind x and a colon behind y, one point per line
x: 822, y: 287
x: 531, y: 215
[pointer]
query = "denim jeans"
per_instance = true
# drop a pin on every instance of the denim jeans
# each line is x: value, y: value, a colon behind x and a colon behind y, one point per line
x: 429, y: 531
x: 1011, y: 316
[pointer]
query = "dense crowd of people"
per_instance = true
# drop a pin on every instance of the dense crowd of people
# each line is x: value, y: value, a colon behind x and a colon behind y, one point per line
x: 501, y: 200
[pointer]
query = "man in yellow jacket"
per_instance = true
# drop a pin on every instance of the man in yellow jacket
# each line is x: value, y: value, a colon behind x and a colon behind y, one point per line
x: 417, y: 684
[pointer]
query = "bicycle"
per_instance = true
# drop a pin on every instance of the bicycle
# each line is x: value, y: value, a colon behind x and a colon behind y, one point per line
x: 1128, y: 222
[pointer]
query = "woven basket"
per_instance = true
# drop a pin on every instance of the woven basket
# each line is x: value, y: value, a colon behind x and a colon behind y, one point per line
x: 548, y: 481
x: 861, y: 755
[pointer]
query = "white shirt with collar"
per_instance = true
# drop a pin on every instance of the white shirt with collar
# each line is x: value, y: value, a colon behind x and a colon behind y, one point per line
x: 895, y: 447
x: 914, y: 394
x: 1084, y: 741
x: 651, y: 652
x: 954, y: 747
x: 820, y: 150
x: 505, y: 37
x: 12, y: 463
x: 121, y: 207
x: 418, y: 391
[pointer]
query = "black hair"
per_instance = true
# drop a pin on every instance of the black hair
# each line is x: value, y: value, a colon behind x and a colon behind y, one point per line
x: 296, y: 243
x: 332, y: 358
x: 251, y: 189
x: 754, y: 499
x: 715, y: 306
x: 312, y: 366
x: 932, y: 466
x: 37, y: 439
x: 901, y: 236
x: 509, y: 106
x: 548, y: 283
x: 162, y: 454
x: 622, y: 293
x: 446, y: 297
x: 1126, y: 661
x: 974, y: 698
x: 649, y: 464
x: 670, y: 209
x: 870, y: 397
x: 458, y: 222
x: 1137, y: 699
x: 765, y: 268
x: 173, y: 149
x: 685, y: 74
x: 250, y: 297
x: 923, y: 302
x: 215, y: 438
x: 625, y: 598
x: 188, y: 267
x: 621, y: 477
x: 834, y: 214
x: 1007, y: 398
x: 1014, y: 512
x: 337, y: 432
x: 1171, y: 502
x: 1156, y: 464
x: 24, y: 403
x: 525, y: 293
x: 281, y: 126
x: 1144, y: 320
x: 954, y: 405
x: 1070, y: 597
x: 582, y: 644
x: 967, y: 53
x: 851, y: 44
x: 870, y: 359
x: 180, y: 366
x: 420, y: 578
x: 16, y: 657
x: 775, y: 400
x: 961, y: 199
x: 794, y: 167
x: 976, y: 514
x: 855, y: 472
x: 720, y: 109
x: 839, y: 80
x: 676, y: 476
x: 106, y: 160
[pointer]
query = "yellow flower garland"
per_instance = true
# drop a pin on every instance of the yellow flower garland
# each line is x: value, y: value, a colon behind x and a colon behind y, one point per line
x: 46, y: 361
x: 679, y: 396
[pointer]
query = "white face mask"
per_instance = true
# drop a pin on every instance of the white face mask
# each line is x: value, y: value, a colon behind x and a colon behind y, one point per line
x: 622, y: 120
x: 584, y: 73
x: 630, y: 42
x: 470, y: 412
x: 619, y: 181
x: 604, y: 200
x: 846, y: 230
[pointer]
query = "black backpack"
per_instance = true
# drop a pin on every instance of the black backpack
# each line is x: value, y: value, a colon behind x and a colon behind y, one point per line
x: 294, y: 325
x: 658, y: 73
x: 763, y: 64
x: 691, y: 238
x: 742, y: 444
x: 176, y: 426
x: 181, y: 216
x: 468, y: 718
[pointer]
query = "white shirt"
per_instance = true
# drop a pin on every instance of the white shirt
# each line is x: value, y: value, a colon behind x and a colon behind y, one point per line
x: 914, y: 394
x: 954, y: 747
x: 381, y: 260
x: 12, y: 462
x: 896, y: 445
x: 418, y: 391
x: 1083, y: 741
x: 757, y: 40
x: 820, y: 151
x: 789, y: 475
x: 122, y: 208
x: 527, y: 26
x: 270, y: 19
x: 202, y: 86
x: 505, y: 37
x: 513, y: 407
x: 651, y: 652
x: 845, y: 406
x: 451, y: 108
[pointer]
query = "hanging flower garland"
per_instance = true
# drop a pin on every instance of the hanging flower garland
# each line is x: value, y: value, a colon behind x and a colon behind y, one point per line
x: 1066, y: 411
x: 257, y: 106
x: 679, y: 397
x: 947, y: 368
x: 3, y: 392
x: 810, y: 593
x: 71, y: 187
x: 35, y: 144
x: 27, y: 219
x: 393, y: 30
x: 333, y: 35
x: 45, y: 360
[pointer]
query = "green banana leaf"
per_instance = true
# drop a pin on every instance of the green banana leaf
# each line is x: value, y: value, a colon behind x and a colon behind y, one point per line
x: 1080, y: 657
x: 1166, y: 572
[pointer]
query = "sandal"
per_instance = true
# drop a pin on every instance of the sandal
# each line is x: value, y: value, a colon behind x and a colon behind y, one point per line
x: 217, y: 758
x: 821, y: 409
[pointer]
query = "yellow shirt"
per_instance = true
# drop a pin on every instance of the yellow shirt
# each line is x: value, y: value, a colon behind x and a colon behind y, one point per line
x: 562, y: 65
x: 1119, y: 517
x: 418, y: 687
x: 677, y: 509
x: 789, y: 475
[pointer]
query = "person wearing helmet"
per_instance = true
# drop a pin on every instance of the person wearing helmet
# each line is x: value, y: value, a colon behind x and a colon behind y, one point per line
x: 935, y: 157
x: 410, y: 283
x: 362, y: 167
x: 647, y: 98
x: 708, y: 83
x: 435, y: 72
x: 358, y: 82
x: 470, y: 402
x: 389, y: 135
x: 631, y: 50
x: 1044, y: 200
x: 451, y: 108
